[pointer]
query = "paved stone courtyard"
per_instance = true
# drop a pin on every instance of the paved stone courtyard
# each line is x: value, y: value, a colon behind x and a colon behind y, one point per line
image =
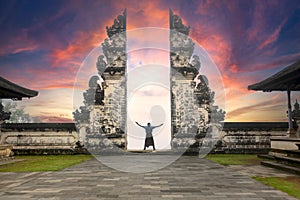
x: 187, y: 178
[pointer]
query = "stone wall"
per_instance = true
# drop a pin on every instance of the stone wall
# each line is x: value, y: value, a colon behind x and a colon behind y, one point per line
x: 249, y: 137
x: 40, y: 138
x: 61, y: 138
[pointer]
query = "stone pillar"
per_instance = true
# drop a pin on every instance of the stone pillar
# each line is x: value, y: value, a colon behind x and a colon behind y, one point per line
x: 291, y: 132
x: 296, y: 117
x: 115, y: 105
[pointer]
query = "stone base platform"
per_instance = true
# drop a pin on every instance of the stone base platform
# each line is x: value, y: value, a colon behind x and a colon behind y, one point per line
x: 187, y: 178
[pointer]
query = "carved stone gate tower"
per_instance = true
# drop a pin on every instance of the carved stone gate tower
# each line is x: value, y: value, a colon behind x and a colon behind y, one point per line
x: 190, y: 100
x: 104, y: 113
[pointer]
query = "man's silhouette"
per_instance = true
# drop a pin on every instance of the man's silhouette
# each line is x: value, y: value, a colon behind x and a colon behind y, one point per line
x: 149, y: 138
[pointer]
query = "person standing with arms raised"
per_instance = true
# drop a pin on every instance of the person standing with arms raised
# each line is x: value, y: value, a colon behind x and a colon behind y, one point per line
x: 149, y: 137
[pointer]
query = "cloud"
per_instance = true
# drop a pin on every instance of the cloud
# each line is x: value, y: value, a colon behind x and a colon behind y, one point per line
x: 17, y: 44
x: 27, y: 48
x: 221, y: 30
x: 54, y: 119
x: 56, y: 61
x: 233, y: 68
x: 273, y: 37
x: 259, y: 107
x: 72, y: 55
x: 143, y: 13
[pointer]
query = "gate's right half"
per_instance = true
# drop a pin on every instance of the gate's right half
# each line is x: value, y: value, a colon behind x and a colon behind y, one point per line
x: 191, y: 99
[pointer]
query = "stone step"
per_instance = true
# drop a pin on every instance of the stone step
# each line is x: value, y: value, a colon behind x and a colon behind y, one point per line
x: 266, y: 156
x: 294, y: 153
x: 287, y: 160
x: 291, y: 169
x: 281, y: 159
x: 289, y: 153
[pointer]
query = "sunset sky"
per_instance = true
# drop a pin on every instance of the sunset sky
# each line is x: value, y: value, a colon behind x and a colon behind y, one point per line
x: 43, y: 44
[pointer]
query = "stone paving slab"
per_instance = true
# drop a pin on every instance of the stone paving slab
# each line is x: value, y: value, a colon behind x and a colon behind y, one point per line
x: 260, y: 170
x: 189, y: 177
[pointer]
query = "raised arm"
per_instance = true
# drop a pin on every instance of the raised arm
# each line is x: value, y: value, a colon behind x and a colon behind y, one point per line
x: 158, y: 126
x: 139, y: 124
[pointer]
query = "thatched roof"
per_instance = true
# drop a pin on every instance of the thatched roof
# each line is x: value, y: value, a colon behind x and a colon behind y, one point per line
x: 9, y: 90
x: 286, y: 79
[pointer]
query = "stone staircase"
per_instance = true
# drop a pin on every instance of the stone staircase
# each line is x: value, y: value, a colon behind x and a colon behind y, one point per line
x: 286, y: 160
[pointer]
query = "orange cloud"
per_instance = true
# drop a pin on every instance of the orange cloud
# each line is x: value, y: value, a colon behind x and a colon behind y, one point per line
x: 220, y: 50
x: 75, y: 52
x: 27, y: 48
x: 233, y: 68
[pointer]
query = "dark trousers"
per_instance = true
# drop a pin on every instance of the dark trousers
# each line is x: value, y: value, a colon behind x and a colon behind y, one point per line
x: 149, y: 142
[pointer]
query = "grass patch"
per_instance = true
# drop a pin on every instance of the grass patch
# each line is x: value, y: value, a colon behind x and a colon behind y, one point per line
x: 289, y: 185
x: 44, y: 163
x: 234, y: 159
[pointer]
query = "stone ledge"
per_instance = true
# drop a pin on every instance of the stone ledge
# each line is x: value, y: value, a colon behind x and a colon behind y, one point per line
x: 283, y: 167
x: 12, y: 160
x: 285, y: 139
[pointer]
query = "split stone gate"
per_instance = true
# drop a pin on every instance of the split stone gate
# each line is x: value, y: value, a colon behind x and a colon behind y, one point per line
x: 102, y: 119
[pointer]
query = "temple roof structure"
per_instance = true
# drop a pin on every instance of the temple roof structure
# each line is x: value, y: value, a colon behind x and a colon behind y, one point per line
x: 9, y: 90
x: 286, y: 79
